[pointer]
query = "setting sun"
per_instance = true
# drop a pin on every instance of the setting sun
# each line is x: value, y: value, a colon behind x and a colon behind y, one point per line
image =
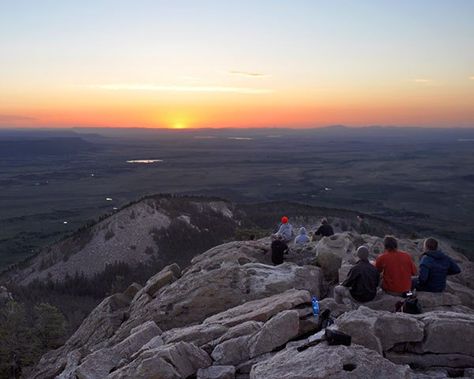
x: 179, y: 125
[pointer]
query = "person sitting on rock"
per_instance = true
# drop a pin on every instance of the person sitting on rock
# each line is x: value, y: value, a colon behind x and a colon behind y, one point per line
x: 435, y: 266
x: 279, y: 248
x: 361, y: 282
x: 325, y: 230
x: 302, y: 237
x: 397, y: 268
x: 285, y: 230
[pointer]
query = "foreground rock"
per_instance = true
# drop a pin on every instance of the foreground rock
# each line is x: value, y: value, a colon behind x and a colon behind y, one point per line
x: 432, y: 339
x: 326, y: 362
x: 231, y: 314
x: 178, y: 360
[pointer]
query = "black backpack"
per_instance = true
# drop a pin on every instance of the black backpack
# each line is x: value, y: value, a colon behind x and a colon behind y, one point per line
x: 409, y: 305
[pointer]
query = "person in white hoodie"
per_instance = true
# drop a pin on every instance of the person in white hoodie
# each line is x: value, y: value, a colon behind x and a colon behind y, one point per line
x: 302, y: 237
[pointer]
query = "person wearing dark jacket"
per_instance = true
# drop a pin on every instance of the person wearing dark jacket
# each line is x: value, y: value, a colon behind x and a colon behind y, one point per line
x: 361, y: 282
x: 279, y: 248
x: 325, y: 229
x: 435, y: 266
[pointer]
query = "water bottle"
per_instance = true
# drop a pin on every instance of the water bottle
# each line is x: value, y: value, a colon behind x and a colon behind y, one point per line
x: 315, y: 304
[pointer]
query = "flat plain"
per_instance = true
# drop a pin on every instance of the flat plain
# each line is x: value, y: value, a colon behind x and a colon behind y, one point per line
x: 55, y: 182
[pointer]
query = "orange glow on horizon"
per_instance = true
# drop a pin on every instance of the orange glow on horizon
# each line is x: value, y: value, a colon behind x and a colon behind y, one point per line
x: 284, y: 108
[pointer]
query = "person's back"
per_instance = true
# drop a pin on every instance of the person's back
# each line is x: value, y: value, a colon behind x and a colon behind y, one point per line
x: 435, y: 266
x: 397, y: 268
x: 302, y: 237
x: 279, y: 248
x: 325, y: 229
x: 363, y: 278
x: 286, y: 232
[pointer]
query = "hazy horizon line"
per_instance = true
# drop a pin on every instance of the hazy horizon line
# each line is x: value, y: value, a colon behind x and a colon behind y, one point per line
x: 283, y: 127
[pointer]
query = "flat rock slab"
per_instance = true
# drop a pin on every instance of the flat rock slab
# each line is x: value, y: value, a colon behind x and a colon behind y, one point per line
x: 326, y: 362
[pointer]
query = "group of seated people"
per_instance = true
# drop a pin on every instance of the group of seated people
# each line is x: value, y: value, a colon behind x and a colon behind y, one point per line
x: 285, y: 232
x: 284, y: 235
x: 396, y: 268
x: 398, y: 271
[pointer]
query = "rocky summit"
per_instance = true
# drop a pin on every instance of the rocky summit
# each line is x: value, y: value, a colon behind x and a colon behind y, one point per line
x: 232, y: 314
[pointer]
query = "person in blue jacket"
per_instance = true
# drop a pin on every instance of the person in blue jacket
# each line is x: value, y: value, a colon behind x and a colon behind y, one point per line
x: 435, y: 266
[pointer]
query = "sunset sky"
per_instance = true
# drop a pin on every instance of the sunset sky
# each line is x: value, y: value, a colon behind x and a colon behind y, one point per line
x: 259, y: 63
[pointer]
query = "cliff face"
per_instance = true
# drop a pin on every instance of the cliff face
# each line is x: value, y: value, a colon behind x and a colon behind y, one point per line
x: 233, y: 314
x: 157, y: 228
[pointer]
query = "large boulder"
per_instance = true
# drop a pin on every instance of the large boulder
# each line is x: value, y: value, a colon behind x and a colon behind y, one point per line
x: 262, y: 309
x: 199, y: 295
x: 102, y: 361
x: 197, y: 334
x: 410, y: 339
x: 340, y: 244
x: 330, y: 264
x: 203, y: 292
x: 378, y: 330
x: 325, y: 362
x: 166, y: 276
x: 275, y: 333
x: 438, y: 300
x: 172, y: 361
x: 464, y: 293
x: 94, y: 333
x: 448, y: 333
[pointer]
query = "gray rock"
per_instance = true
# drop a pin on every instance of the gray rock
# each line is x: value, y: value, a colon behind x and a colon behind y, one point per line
x: 380, y: 330
x: 166, y: 276
x: 431, y: 301
x: 101, y: 324
x: 339, y: 244
x: 178, y: 360
x: 73, y: 359
x: 448, y: 333
x: 245, y: 329
x: 465, y: 294
x: 330, y: 264
x: 262, y: 309
x: 216, y: 372
x: 197, y: 334
x: 196, y: 296
x: 335, y: 308
x: 101, y: 362
x: 276, y: 332
x: 232, y: 352
x: 426, y: 361
x: 326, y: 362
x: 244, y: 368
x: 132, y: 290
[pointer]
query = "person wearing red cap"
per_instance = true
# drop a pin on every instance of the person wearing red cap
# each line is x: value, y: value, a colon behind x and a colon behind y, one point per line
x: 285, y: 230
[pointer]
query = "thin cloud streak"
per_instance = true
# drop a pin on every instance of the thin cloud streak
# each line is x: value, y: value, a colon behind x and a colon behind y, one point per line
x: 424, y: 81
x: 248, y: 74
x: 15, y: 118
x: 174, y: 88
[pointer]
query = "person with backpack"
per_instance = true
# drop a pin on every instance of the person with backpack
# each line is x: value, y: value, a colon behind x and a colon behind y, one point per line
x: 285, y: 230
x: 361, y: 282
x: 397, y: 268
x: 435, y: 266
x: 302, y: 237
x: 279, y: 248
